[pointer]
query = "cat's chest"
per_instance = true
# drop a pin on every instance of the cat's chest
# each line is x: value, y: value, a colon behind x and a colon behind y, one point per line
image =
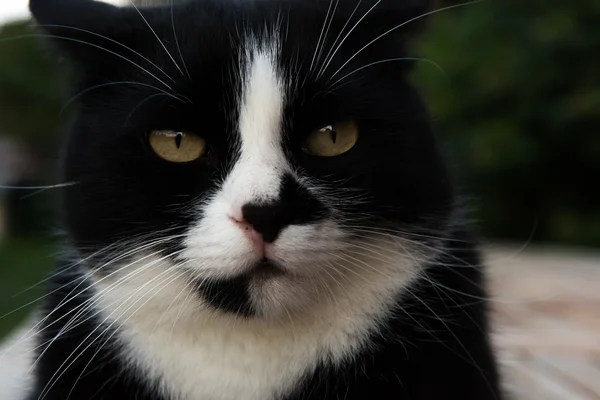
x: 193, y: 352
x: 215, y: 367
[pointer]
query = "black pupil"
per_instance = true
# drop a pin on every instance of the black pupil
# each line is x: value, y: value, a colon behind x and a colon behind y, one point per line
x: 332, y: 133
x: 178, y: 139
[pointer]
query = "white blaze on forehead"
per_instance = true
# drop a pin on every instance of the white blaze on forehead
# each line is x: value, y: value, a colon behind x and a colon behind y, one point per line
x: 258, y: 172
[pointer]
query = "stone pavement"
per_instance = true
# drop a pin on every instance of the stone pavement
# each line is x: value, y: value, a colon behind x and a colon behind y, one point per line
x: 546, y: 306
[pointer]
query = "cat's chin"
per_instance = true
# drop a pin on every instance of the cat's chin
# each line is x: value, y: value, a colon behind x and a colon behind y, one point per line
x: 266, y: 269
x: 275, y: 293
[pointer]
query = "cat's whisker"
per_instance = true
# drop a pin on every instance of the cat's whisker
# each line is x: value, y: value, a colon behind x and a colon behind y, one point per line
x: 156, y: 36
x: 121, y: 280
x: 317, y: 47
x: 451, y: 267
x: 185, y: 303
x: 333, y: 85
x: 341, y: 286
x: 359, y: 264
x: 81, y: 261
x: 45, y: 35
x: 154, y: 292
x: 110, y: 40
x: 348, y: 34
x: 94, y: 300
x: 45, y: 187
x: 61, y: 370
x: 64, y: 269
x: 83, y: 92
x: 470, y: 359
x: 86, y: 304
x: 328, y: 290
x: 399, y: 26
x: 148, y: 98
x: 394, y: 233
x: 327, y: 32
x: 322, y: 69
x: 187, y: 72
x: 100, y: 294
x: 69, y: 297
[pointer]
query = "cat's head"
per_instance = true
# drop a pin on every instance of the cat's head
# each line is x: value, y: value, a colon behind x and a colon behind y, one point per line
x: 273, y: 151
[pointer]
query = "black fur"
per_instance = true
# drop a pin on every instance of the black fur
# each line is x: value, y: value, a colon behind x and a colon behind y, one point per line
x: 434, y: 346
x: 437, y: 350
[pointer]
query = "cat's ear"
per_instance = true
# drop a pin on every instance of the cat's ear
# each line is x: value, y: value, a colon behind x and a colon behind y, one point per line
x: 85, y: 31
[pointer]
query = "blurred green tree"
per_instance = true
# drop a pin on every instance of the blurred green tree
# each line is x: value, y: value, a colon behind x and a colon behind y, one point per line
x: 519, y: 107
x: 32, y: 93
x: 32, y: 90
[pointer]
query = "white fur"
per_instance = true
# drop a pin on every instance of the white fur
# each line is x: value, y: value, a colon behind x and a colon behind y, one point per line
x: 16, y: 357
x: 201, y: 354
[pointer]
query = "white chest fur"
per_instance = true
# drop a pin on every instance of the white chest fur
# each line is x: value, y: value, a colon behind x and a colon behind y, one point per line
x: 16, y: 357
x: 199, y: 354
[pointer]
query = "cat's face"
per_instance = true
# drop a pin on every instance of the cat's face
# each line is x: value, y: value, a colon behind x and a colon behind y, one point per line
x: 270, y: 151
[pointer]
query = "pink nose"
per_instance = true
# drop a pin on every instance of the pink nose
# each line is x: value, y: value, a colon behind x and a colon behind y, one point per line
x: 255, y: 237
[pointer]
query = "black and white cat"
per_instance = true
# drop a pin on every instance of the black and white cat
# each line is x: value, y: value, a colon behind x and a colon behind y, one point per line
x: 258, y: 212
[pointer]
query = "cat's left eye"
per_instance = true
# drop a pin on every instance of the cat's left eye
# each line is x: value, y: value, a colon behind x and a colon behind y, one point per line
x: 175, y: 146
x: 332, y: 140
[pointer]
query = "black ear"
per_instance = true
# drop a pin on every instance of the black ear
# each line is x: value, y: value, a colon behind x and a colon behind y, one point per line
x: 86, y: 31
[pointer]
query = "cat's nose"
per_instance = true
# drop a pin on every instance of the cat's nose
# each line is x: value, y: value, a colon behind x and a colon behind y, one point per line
x: 266, y: 220
x: 249, y: 230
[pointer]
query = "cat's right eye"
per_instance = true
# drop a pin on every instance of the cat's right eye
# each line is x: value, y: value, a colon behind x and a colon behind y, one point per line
x: 332, y: 140
x: 177, y: 146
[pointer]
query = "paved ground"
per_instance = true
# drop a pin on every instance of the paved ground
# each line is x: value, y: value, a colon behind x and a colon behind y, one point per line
x: 547, y: 319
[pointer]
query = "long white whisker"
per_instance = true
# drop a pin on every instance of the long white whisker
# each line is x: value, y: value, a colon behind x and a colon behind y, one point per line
x: 43, y: 35
x: 389, y: 60
x: 460, y: 343
x: 327, y: 31
x: 84, y: 306
x: 89, y: 303
x: 110, y: 40
x: 69, y: 297
x: 150, y: 97
x: 401, y: 25
x: 321, y: 36
x: 78, y: 95
x: 52, y: 381
x: 59, y: 185
x: 156, y: 36
x: 321, y: 70
x: 98, y: 296
x: 177, y: 43
x: 163, y: 283
x: 348, y: 34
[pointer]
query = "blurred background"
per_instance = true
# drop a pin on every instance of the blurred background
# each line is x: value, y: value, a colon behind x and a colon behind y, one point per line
x: 517, y: 109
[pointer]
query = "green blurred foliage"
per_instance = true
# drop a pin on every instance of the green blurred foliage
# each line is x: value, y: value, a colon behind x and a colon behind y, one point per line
x: 32, y: 93
x: 29, y: 261
x: 519, y: 109
x: 32, y: 90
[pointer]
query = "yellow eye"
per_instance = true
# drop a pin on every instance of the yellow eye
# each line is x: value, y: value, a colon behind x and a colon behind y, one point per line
x: 179, y: 147
x: 332, y: 140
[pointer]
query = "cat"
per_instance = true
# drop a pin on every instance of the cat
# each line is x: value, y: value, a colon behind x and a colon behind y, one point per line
x: 257, y: 209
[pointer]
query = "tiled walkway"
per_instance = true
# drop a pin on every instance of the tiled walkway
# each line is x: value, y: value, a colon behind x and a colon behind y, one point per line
x: 547, y: 319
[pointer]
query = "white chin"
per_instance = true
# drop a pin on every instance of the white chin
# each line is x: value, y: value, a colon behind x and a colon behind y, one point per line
x: 280, y: 295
